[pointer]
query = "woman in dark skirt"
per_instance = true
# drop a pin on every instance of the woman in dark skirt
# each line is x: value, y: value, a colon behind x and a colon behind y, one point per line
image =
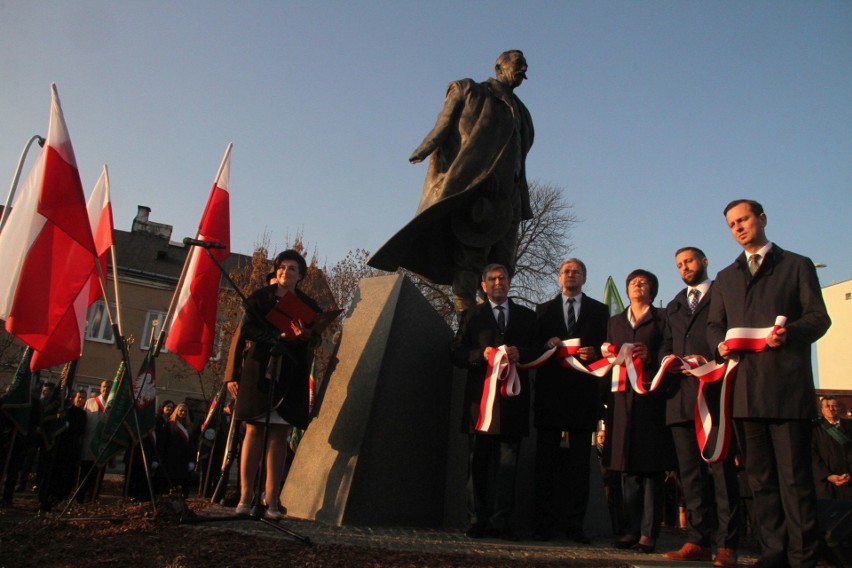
x: 638, y: 442
x: 280, y: 359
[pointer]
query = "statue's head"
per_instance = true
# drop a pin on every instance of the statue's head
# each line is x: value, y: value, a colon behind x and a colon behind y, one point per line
x: 511, y: 67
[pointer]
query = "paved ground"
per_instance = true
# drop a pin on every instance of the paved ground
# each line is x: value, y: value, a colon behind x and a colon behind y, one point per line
x: 455, y: 541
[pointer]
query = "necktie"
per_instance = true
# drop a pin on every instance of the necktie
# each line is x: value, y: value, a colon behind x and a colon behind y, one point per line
x: 501, y: 319
x: 753, y: 263
x: 570, y: 317
x: 694, y: 296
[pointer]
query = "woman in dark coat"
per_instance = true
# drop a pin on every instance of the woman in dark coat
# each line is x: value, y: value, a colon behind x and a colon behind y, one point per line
x: 638, y: 442
x: 178, y: 449
x: 286, y: 355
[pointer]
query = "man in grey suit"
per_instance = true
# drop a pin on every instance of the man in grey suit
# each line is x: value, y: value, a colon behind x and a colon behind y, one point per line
x: 773, y: 392
x: 685, y: 335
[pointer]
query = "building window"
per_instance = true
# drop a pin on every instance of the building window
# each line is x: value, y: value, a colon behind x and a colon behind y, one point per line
x: 150, y: 317
x: 98, y: 327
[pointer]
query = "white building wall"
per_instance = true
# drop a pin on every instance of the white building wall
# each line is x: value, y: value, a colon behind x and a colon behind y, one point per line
x: 835, y: 348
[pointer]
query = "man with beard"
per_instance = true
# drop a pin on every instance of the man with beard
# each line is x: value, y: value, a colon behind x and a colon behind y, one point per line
x: 685, y: 336
x: 476, y: 192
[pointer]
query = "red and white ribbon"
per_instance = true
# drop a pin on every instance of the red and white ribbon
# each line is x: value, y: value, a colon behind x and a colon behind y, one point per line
x: 501, y: 379
x: 617, y: 361
x: 712, y: 414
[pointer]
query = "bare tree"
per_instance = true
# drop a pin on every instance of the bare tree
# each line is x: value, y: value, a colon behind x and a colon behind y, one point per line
x: 543, y: 243
x: 345, y: 274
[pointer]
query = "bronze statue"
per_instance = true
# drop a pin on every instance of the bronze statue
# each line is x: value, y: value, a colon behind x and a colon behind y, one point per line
x: 476, y: 192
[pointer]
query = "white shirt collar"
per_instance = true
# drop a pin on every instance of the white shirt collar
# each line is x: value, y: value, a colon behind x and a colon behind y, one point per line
x: 762, y: 252
x: 704, y: 287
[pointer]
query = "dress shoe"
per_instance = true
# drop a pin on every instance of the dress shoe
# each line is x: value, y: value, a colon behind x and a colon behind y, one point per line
x: 725, y: 557
x: 476, y: 531
x: 578, y: 535
x: 503, y: 534
x: 625, y: 542
x: 243, y: 509
x: 273, y: 514
x: 690, y: 551
x: 646, y: 545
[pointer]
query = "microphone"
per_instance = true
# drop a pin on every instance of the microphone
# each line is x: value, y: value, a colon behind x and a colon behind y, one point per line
x: 203, y: 244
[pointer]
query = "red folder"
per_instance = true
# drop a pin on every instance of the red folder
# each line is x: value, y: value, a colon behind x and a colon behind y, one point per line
x: 288, y: 309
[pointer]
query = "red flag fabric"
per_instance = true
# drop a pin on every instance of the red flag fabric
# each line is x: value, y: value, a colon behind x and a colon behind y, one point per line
x: 47, y: 252
x: 193, y: 326
x: 74, y: 322
x: 100, y: 219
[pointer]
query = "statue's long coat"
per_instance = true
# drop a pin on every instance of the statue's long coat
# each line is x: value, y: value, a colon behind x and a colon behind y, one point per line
x: 471, y: 141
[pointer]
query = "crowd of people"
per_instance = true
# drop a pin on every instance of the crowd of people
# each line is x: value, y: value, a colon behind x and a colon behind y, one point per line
x: 646, y: 433
x: 54, y: 457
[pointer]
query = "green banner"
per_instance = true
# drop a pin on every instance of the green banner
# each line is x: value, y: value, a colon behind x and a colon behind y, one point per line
x: 19, y: 400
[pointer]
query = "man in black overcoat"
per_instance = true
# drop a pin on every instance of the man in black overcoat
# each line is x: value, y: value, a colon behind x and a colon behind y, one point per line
x: 711, y: 493
x: 567, y: 405
x: 832, y: 453
x: 494, y: 456
x: 773, y: 392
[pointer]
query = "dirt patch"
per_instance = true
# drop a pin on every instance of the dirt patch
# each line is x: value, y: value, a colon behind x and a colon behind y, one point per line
x: 124, y: 533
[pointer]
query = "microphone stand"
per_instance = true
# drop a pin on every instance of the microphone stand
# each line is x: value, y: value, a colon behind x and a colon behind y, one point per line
x: 257, y: 511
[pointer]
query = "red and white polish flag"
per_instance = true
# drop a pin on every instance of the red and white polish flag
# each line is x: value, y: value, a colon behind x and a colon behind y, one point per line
x: 192, y: 332
x: 47, y: 252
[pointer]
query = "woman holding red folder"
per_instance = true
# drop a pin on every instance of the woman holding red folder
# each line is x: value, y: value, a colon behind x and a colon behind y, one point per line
x: 279, y: 359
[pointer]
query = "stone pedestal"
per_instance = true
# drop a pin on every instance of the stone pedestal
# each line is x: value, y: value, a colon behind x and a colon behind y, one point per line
x: 376, y: 453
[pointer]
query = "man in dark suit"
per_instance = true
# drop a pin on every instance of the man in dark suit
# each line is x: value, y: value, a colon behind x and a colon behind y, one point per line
x: 685, y: 336
x: 773, y: 392
x: 568, y: 404
x: 494, y: 456
x: 832, y: 453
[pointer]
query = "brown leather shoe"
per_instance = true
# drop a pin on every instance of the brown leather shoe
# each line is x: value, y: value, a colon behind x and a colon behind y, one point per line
x: 690, y: 551
x: 726, y: 557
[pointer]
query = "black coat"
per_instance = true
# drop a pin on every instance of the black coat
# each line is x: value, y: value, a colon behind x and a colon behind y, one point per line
x: 685, y: 334
x: 775, y: 383
x: 638, y: 440
x: 565, y: 398
x: 477, y: 331
x: 178, y: 453
x: 830, y: 458
x: 291, y: 396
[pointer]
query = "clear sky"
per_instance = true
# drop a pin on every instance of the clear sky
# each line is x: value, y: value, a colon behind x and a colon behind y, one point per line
x: 651, y: 115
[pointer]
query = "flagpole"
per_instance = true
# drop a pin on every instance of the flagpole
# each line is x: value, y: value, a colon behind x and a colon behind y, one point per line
x: 134, y: 396
x: 17, y: 177
x: 168, y: 316
x: 114, y: 267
